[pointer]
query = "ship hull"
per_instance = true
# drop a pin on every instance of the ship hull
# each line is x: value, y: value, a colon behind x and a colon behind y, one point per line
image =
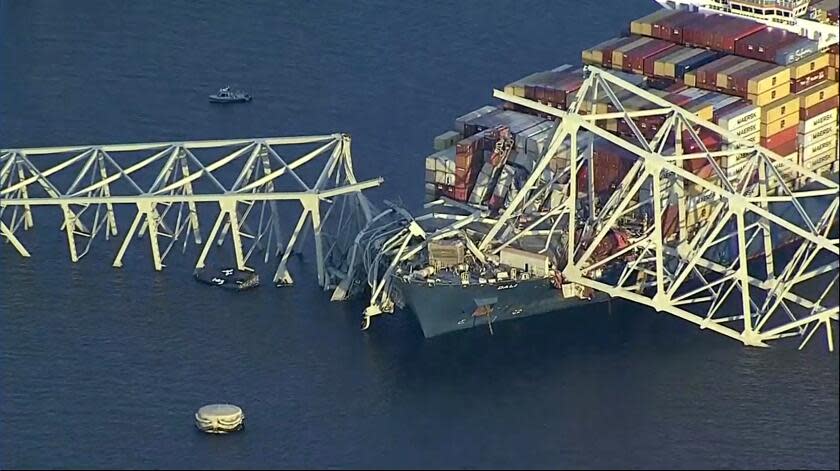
x: 441, y: 309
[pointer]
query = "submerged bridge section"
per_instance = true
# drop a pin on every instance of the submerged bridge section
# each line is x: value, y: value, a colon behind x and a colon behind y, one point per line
x: 172, y: 187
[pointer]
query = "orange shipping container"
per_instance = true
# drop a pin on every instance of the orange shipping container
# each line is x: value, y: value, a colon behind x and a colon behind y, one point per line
x: 785, y: 135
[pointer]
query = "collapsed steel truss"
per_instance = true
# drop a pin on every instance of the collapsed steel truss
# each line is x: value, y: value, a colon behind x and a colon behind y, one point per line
x: 167, y: 182
x: 681, y: 272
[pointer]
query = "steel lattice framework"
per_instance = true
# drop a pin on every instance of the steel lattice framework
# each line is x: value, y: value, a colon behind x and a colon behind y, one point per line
x: 748, y: 197
x: 167, y: 182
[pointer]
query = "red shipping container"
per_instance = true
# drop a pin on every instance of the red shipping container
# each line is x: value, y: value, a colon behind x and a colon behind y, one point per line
x: 611, y: 165
x: 678, y: 99
x: 814, y: 78
x: 461, y: 193
x: 707, y: 74
x: 701, y: 32
x: 607, y: 50
x: 711, y: 140
x: 672, y: 28
x: 634, y: 59
x: 784, y: 148
x: 820, y: 108
x: 779, y: 138
x: 724, y: 38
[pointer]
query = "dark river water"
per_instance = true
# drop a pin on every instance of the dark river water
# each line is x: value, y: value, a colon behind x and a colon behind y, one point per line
x: 101, y: 367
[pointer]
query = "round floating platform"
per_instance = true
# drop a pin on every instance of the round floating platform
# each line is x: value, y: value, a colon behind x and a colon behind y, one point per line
x: 219, y: 418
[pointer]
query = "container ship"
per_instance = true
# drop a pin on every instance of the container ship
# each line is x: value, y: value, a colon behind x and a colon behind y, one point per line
x: 728, y: 63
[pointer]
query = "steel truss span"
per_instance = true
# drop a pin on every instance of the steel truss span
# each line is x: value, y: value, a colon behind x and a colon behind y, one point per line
x: 722, y: 269
x: 237, y: 184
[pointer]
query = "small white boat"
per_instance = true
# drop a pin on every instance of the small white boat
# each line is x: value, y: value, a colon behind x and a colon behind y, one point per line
x: 226, y: 95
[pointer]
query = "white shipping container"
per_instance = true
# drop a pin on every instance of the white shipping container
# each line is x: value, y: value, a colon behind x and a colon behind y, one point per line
x: 817, y: 148
x: 445, y: 160
x: 449, y: 179
x: 430, y: 176
x: 739, y: 117
x: 754, y: 138
x: 825, y: 169
x: 505, y: 180
x: 818, y: 121
x: 788, y: 175
x: 431, y: 162
x: 820, y: 160
x: 523, y: 260
x: 816, y: 135
x: 748, y: 129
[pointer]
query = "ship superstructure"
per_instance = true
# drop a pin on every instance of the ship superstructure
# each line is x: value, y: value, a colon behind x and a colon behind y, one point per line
x: 791, y: 15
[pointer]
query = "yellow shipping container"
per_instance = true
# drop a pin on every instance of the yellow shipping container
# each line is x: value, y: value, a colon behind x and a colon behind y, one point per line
x: 782, y: 107
x: 644, y: 25
x: 782, y: 124
x: 769, y: 80
x: 808, y: 65
x: 770, y: 96
x: 705, y: 112
x: 690, y: 79
x: 814, y: 95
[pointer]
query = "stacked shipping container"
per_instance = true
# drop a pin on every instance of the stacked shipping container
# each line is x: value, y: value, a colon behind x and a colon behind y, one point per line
x: 762, y: 84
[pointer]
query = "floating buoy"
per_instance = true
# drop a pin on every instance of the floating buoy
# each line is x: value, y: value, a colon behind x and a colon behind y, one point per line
x: 220, y: 418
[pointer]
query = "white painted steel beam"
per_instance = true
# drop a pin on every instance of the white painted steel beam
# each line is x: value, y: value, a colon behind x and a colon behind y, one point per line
x: 183, y: 181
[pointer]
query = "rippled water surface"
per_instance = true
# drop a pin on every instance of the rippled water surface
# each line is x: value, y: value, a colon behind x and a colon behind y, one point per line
x: 104, y: 368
